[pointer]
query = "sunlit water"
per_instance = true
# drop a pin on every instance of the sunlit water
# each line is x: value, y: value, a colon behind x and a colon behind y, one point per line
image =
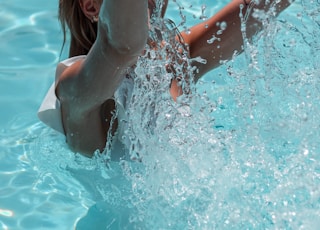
x: 240, y: 152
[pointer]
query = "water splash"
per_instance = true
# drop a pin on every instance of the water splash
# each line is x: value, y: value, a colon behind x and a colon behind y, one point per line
x: 239, y: 151
x: 257, y: 170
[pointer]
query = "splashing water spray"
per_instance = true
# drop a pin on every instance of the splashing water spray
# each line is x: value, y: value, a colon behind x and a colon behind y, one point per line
x: 240, y: 149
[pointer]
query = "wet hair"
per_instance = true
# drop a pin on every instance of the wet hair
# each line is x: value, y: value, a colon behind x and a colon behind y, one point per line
x: 83, y: 32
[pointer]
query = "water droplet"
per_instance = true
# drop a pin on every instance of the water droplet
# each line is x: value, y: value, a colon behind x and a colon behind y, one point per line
x: 213, y: 39
x: 223, y: 25
x: 219, y: 32
x: 203, y: 9
x: 188, y: 31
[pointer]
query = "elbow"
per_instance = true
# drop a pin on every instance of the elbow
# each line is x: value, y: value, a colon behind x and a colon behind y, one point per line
x: 131, y: 43
x: 126, y: 42
x: 130, y: 48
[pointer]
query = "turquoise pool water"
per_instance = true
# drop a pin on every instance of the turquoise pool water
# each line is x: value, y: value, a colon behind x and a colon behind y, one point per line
x: 244, y: 156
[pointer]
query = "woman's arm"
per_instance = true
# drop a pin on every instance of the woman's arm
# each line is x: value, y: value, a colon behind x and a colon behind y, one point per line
x: 230, y: 40
x: 84, y: 88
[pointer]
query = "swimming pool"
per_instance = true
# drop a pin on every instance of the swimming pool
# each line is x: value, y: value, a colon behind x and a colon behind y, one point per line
x: 245, y: 157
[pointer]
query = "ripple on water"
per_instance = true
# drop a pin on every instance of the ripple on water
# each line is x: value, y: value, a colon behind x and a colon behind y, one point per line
x: 27, y: 40
x: 36, y: 51
x: 243, y: 177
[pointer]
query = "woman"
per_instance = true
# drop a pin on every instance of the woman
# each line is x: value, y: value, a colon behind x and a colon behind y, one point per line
x: 113, y: 34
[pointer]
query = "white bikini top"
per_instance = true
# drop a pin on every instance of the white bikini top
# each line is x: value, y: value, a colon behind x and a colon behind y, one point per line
x: 50, y: 112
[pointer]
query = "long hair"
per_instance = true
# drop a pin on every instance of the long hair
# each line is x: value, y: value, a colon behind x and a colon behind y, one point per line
x: 83, y: 32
